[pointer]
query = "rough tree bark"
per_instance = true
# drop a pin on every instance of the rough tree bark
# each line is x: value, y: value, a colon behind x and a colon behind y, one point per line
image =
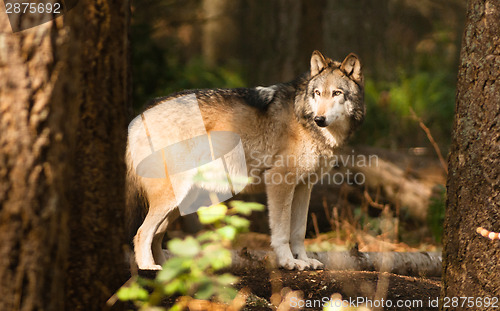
x: 471, y: 266
x: 33, y: 168
x: 64, y: 93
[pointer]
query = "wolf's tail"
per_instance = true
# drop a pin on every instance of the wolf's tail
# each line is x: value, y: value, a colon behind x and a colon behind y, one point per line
x: 136, y: 206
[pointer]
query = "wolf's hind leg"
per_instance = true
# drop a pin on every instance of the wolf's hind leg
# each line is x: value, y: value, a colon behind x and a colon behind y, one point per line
x: 158, y: 254
x: 162, y: 206
x: 172, y: 213
x: 300, y: 207
x: 144, y: 238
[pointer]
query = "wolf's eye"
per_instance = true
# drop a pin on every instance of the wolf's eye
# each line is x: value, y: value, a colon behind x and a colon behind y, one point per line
x: 336, y: 93
x: 317, y: 92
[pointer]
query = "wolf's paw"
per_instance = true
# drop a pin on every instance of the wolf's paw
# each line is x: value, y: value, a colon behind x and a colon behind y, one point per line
x: 315, y: 264
x: 150, y: 267
x: 294, y: 264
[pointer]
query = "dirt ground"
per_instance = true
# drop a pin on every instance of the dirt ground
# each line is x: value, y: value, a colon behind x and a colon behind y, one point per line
x: 308, y: 290
x: 314, y: 287
x: 278, y: 289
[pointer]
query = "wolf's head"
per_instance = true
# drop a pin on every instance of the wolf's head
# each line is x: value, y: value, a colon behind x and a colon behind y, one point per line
x: 335, y: 93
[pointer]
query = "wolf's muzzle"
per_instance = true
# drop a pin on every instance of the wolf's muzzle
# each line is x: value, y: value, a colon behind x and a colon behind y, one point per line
x: 320, y: 121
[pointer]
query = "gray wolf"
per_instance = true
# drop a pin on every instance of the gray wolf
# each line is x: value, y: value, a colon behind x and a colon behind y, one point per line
x: 306, y: 120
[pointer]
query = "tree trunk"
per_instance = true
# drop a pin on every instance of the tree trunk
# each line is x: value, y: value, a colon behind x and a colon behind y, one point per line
x: 219, y: 30
x: 471, y: 261
x: 271, y: 40
x: 64, y: 93
x: 96, y: 265
x: 33, y: 169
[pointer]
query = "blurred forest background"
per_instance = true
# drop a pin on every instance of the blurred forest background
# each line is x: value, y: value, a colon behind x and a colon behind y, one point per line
x: 65, y: 103
x: 410, y: 53
x: 409, y: 50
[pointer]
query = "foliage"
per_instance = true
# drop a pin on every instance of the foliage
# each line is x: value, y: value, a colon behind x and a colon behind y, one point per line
x: 197, y: 74
x: 427, y: 85
x: 148, y: 65
x: 158, y: 72
x: 420, y: 38
x: 193, y: 271
x: 429, y: 94
x: 436, y: 212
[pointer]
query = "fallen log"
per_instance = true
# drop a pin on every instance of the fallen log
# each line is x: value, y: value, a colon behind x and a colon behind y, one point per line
x: 404, y: 180
x: 417, y: 264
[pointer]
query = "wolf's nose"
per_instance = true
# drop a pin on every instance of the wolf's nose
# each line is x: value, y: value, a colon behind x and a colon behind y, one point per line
x: 320, y: 121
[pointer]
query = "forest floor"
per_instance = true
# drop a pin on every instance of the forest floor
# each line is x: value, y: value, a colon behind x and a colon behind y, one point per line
x: 284, y: 290
x: 268, y: 288
x: 278, y: 289
x: 341, y: 219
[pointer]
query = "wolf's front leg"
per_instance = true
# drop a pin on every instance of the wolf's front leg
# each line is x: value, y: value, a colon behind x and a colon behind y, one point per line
x: 280, y: 196
x: 300, y: 206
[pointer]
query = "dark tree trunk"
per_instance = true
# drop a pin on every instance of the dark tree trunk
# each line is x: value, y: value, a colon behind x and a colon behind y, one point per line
x: 270, y: 30
x: 64, y: 96
x: 471, y: 266
x: 97, y: 235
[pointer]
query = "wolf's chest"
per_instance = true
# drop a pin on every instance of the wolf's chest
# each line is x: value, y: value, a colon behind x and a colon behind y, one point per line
x: 314, y: 161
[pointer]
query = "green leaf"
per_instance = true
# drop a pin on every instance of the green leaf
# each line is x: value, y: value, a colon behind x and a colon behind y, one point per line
x: 207, y: 236
x: 175, y: 307
x: 145, y: 282
x: 188, y: 247
x: 238, y: 222
x: 205, y: 291
x: 204, y: 262
x: 175, y: 286
x: 227, y: 232
x: 218, y: 257
x: 240, y: 181
x: 246, y: 208
x: 211, y: 214
x: 200, y: 177
x: 226, y: 279
x: 226, y: 294
x: 133, y: 292
x: 171, y: 269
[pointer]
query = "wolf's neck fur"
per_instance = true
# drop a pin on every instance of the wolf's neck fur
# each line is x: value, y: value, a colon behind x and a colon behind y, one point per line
x: 337, y: 133
x: 331, y: 136
x: 328, y: 138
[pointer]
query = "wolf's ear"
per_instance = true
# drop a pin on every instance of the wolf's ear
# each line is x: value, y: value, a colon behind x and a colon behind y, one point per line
x: 318, y: 62
x: 351, y: 66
